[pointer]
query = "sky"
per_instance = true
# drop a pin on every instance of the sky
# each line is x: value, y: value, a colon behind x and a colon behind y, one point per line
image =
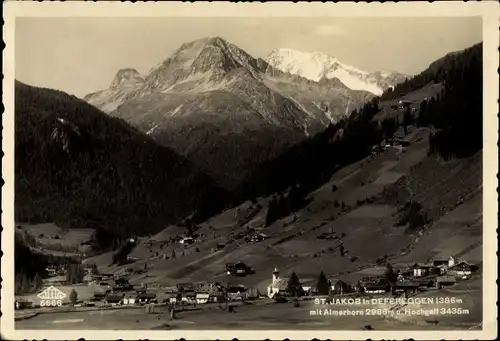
x: 80, y: 55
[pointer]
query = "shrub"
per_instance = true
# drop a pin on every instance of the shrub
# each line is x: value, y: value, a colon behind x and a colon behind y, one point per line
x: 360, y: 202
x: 334, y: 187
x: 73, y: 297
x: 412, y: 213
x: 336, y: 203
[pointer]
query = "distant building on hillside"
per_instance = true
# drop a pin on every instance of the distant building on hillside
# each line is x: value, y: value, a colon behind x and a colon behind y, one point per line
x: 461, y: 269
x: 403, y: 104
x: 51, y: 271
x: 122, y: 284
x: 439, y: 262
x: 422, y: 269
x: 238, y: 269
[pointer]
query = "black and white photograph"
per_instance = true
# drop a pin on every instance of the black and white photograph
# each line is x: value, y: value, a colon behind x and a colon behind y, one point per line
x: 216, y: 167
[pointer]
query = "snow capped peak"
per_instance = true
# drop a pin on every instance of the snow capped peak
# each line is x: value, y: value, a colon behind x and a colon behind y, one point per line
x: 318, y: 65
x: 126, y: 77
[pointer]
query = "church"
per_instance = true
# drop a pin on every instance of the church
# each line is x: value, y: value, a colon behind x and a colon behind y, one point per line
x: 278, y: 285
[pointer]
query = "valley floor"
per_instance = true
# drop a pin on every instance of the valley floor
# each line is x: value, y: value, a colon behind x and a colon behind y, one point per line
x: 265, y: 314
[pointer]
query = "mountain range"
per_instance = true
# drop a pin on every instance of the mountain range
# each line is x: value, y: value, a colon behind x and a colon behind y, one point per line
x: 223, y: 109
x: 317, y: 65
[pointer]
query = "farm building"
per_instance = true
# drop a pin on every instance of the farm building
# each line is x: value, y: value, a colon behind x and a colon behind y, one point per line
x: 407, y: 286
x: 145, y: 298
x: 129, y: 300
x: 461, y: 269
x: 421, y: 269
x: 238, y: 269
x: 51, y: 271
x: 442, y: 281
x: 277, y: 286
x: 113, y: 299
x: 122, y: 284
x: 202, y: 298
x: 339, y: 287
x: 170, y: 298
x: 439, y: 262
x: 185, y: 287
x: 98, y: 296
x: 252, y: 293
x: 188, y: 296
x: 22, y: 304
x: 309, y: 286
x: 375, y: 288
x: 258, y: 237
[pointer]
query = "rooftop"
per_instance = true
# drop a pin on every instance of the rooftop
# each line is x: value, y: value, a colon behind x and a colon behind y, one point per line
x: 279, y: 283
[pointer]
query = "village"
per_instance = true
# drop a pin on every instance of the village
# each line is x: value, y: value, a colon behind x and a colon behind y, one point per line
x: 110, y: 291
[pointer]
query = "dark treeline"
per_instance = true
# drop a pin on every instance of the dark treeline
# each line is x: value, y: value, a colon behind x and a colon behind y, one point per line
x: 30, y: 266
x: 456, y: 114
x: 286, y: 203
x: 96, y: 171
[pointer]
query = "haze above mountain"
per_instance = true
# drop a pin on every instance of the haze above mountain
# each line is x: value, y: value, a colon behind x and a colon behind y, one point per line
x: 223, y: 109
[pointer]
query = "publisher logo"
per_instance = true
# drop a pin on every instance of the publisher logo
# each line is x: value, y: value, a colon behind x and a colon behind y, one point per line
x: 51, y: 297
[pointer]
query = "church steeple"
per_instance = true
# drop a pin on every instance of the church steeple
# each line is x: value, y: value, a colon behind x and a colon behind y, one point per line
x: 276, y: 274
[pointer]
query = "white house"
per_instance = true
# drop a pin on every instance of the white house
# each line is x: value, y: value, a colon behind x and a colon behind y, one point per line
x: 460, y: 269
x: 278, y: 285
x: 202, y: 298
x: 307, y: 289
x: 129, y: 300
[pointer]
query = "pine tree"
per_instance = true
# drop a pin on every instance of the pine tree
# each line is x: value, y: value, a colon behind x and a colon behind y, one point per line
x: 73, y: 297
x: 37, y: 281
x: 22, y: 282
x: 74, y: 273
x: 293, y: 287
x: 390, y: 274
x: 323, y: 286
x: 407, y: 119
x: 94, y: 269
